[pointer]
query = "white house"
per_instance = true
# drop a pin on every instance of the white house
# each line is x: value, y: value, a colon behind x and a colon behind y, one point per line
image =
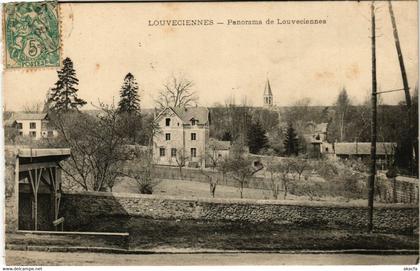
x: 33, y: 125
x: 183, y: 136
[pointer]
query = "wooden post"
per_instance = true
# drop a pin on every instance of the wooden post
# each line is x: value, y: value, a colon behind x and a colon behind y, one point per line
x: 35, y: 180
x: 371, y: 183
x: 55, y: 180
x: 411, y: 135
x: 53, y: 189
x: 400, y: 57
x: 16, y: 192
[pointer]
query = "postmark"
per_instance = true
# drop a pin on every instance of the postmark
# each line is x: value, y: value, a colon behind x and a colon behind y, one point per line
x: 32, y: 35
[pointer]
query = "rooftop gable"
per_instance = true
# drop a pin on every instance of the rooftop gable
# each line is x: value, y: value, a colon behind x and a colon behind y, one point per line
x: 29, y: 116
x: 186, y: 114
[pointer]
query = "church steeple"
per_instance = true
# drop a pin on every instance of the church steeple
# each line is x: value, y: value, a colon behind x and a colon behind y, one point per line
x: 268, y: 95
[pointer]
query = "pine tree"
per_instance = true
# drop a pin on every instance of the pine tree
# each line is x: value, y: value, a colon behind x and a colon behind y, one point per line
x: 63, y: 96
x: 129, y: 109
x: 291, y: 142
x: 129, y: 97
x: 257, y: 139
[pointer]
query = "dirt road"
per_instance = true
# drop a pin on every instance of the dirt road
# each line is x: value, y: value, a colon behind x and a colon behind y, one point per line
x: 57, y: 258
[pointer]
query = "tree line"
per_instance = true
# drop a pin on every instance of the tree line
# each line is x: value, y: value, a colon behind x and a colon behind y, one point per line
x: 281, y: 131
x: 98, y: 141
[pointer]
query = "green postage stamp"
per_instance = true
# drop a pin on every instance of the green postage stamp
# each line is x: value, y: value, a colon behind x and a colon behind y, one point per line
x: 32, y: 35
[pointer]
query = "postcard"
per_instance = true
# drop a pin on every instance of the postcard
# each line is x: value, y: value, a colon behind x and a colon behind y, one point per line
x: 211, y: 133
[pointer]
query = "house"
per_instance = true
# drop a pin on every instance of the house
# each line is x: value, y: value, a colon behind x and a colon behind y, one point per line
x: 384, y: 151
x: 316, y: 132
x: 34, y: 125
x: 218, y: 149
x: 183, y: 136
x: 320, y: 149
x: 316, y: 136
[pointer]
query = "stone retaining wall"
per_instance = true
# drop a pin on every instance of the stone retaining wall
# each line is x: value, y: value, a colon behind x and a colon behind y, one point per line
x: 80, y: 209
x: 11, y: 189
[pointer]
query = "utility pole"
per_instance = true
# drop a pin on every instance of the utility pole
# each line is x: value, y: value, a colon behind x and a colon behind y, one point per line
x: 405, y: 85
x: 373, y: 126
x: 400, y: 57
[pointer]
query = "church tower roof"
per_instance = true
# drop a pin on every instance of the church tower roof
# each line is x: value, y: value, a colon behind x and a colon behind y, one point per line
x: 268, y: 95
x: 267, y: 89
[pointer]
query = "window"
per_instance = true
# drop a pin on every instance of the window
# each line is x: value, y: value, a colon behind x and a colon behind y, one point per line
x: 32, y: 125
x: 168, y: 122
x: 50, y: 133
x: 194, y: 122
x: 19, y: 125
x: 32, y: 134
x: 168, y: 136
x: 20, y: 133
x: 173, y: 152
x: 193, y: 152
x: 193, y: 136
x: 162, y: 152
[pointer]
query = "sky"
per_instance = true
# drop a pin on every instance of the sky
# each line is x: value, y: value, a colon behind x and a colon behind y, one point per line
x: 106, y: 41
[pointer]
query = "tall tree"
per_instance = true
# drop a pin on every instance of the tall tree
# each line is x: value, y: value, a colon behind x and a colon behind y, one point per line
x: 97, y: 146
x: 129, y: 109
x: 129, y: 97
x: 342, y: 105
x: 291, y: 141
x: 256, y: 137
x: 177, y: 92
x: 63, y: 96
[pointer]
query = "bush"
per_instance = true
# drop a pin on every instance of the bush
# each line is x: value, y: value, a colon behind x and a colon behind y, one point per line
x: 311, y: 189
x: 383, y: 190
x: 352, y: 188
x: 145, y: 186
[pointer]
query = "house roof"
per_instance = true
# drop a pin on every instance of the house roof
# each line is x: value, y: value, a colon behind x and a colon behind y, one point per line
x: 186, y: 114
x: 29, y: 152
x: 8, y: 122
x: 267, y: 89
x: 353, y: 148
x: 219, y: 145
x: 28, y: 116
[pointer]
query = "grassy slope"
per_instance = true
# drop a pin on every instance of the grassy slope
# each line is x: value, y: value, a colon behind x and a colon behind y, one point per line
x: 191, y: 189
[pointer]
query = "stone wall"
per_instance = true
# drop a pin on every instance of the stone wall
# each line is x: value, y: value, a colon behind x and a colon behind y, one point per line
x: 80, y: 209
x: 11, y: 189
